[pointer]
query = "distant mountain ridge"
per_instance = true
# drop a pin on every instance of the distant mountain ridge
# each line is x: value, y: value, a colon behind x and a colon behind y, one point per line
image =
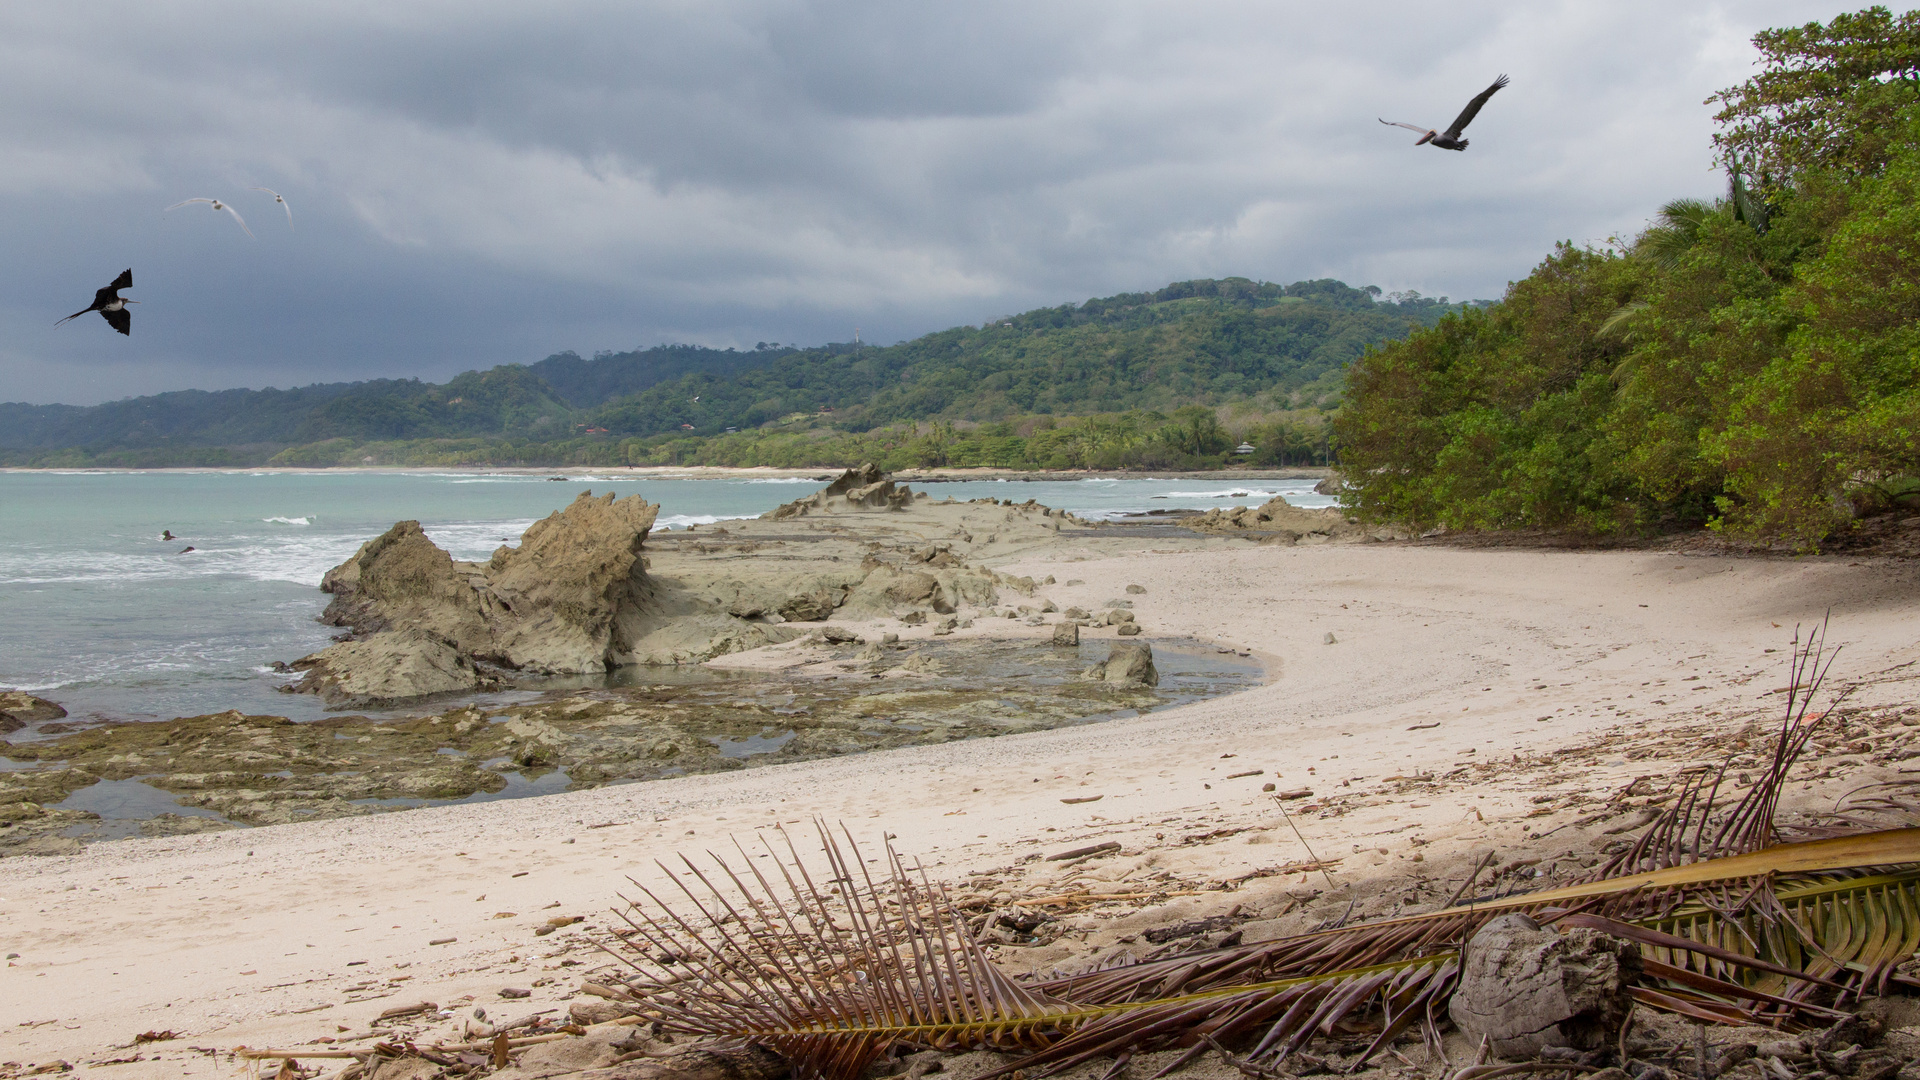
x: 1204, y: 341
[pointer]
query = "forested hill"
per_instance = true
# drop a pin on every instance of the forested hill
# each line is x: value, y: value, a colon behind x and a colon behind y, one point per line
x: 1193, y: 342
x: 527, y: 401
x: 1205, y: 342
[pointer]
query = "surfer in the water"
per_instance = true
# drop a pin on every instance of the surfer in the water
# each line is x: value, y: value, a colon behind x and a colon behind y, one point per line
x: 166, y: 534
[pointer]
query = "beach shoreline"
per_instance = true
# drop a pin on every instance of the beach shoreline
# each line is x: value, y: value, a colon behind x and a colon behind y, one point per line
x: 1419, y: 693
x: 722, y: 472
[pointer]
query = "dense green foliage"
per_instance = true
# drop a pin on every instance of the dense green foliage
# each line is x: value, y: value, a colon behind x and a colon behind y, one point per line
x: 1196, y: 342
x: 512, y: 400
x: 1755, y: 368
x: 1005, y: 394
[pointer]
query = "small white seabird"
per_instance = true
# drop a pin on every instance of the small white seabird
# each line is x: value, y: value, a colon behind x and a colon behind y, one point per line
x: 218, y: 205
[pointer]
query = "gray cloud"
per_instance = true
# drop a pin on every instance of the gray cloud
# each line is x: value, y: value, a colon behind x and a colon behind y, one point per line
x: 484, y: 183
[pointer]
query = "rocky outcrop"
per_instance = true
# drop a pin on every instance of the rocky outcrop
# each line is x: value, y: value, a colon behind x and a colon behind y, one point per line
x: 1128, y: 663
x: 863, y: 488
x: 569, y: 596
x: 1279, y: 521
x: 402, y: 579
x: 569, y: 599
x: 391, y: 665
x: 19, y: 708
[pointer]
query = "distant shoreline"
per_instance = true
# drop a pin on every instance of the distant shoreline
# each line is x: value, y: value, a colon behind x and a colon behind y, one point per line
x: 722, y: 472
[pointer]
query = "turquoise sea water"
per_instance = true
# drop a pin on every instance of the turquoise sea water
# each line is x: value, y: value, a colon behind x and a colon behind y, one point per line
x: 101, y: 615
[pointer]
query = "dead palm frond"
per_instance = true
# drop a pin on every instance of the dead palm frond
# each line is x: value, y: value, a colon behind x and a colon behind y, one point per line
x: 833, y: 970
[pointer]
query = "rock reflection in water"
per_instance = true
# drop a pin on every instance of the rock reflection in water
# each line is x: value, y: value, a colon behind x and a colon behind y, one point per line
x: 212, y: 771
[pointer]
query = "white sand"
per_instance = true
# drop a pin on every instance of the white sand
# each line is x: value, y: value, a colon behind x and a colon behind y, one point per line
x: 246, y: 937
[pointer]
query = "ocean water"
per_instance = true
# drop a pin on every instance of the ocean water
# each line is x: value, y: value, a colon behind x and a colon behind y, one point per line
x: 100, y: 614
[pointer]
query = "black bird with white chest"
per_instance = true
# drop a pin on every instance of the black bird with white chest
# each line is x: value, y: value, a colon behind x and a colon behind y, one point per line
x: 111, y: 306
x: 1450, y: 139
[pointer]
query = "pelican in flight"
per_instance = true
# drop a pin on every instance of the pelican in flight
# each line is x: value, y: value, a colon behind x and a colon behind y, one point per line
x: 111, y: 306
x: 277, y: 197
x: 1450, y: 139
x: 218, y: 205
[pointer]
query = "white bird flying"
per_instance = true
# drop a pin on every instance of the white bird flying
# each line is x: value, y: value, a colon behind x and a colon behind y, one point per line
x: 277, y: 197
x: 218, y: 205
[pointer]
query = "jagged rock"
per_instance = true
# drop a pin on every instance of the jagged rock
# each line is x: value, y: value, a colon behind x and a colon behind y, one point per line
x: 863, y: 488
x: 1128, y: 663
x: 1333, y: 484
x: 390, y: 665
x: 400, y: 578
x: 1066, y: 633
x: 1524, y: 987
x: 571, y: 598
x: 575, y: 583
x: 19, y: 708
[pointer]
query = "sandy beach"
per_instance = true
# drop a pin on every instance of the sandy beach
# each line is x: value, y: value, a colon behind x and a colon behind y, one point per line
x: 1437, y: 703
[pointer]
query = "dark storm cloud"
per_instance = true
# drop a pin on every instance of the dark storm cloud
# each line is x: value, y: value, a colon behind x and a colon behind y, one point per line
x: 484, y: 183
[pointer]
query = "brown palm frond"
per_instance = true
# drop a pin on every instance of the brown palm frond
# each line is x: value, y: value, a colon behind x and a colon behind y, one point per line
x: 832, y: 975
x: 1734, y: 927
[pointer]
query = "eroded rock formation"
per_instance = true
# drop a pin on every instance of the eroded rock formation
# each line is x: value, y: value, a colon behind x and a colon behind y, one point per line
x: 578, y: 594
x: 19, y: 708
x: 1279, y: 521
x: 570, y: 599
x: 864, y: 488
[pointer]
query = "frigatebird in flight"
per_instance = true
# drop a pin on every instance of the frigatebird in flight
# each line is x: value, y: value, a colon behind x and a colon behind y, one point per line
x: 1450, y: 139
x: 111, y: 306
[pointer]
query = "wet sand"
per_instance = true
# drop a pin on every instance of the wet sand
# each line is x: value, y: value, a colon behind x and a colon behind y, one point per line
x: 1426, y: 732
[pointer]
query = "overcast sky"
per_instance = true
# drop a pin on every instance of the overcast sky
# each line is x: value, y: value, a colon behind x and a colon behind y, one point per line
x: 477, y: 183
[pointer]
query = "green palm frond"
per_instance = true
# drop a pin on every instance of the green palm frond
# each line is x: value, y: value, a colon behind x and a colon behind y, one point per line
x: 833, y: 970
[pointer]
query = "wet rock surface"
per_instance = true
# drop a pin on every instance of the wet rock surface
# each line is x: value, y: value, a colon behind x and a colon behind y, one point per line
x: 19, y: 708
x: 229, y: 769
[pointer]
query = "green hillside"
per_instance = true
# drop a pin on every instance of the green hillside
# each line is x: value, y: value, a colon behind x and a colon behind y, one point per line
x: 1264, y: 347
x: 1195, y: 342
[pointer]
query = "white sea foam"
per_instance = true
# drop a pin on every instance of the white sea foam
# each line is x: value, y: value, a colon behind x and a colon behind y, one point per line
x: 681, y: 521
x: 782, y: 480
x: 289, y: 520
x: 1227, y: 493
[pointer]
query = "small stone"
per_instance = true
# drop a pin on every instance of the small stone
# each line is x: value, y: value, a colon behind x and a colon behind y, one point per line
x: 1129, y: 629
x: 1266, y: 787
x: 1137, y: 590
x: 1330, y: 639
x: 1066, y: 633
x: 515, y: 992
x: 889, y: 639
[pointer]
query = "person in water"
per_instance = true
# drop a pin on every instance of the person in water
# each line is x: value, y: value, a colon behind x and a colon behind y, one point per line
x: 166, y: 534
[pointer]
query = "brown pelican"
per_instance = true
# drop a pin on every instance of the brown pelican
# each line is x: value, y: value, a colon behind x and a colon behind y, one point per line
x: 218, y: 205
x: 111, y: 306
x: 1450, y: 139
